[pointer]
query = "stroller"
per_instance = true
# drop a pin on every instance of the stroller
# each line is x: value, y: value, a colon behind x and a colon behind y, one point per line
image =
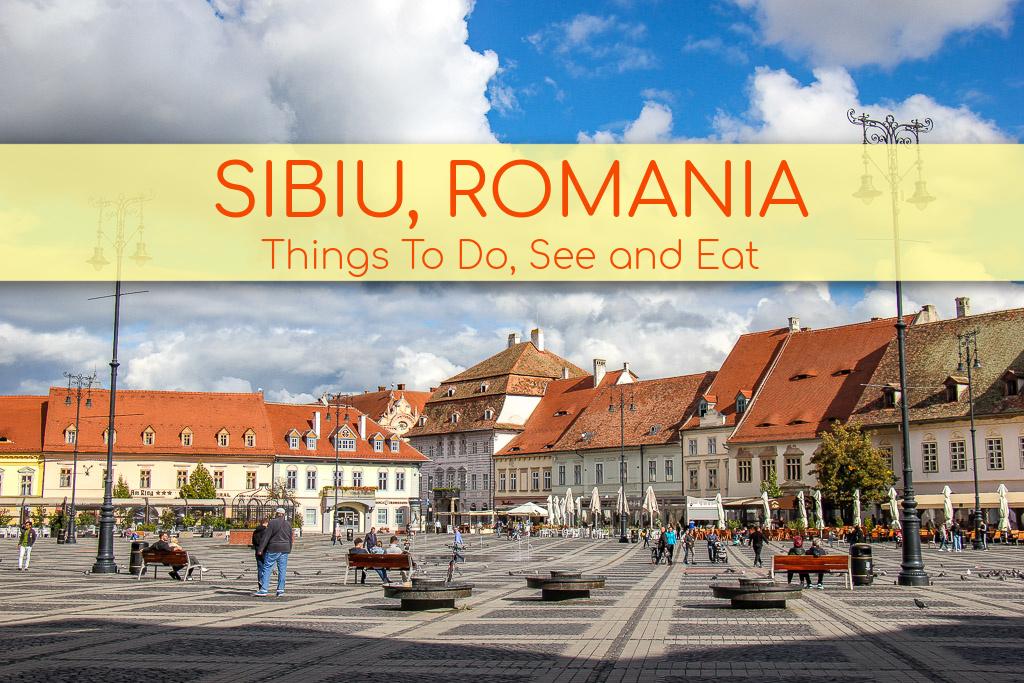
x: 721, y: 555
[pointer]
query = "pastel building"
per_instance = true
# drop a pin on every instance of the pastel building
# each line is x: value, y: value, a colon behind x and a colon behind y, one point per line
x: 21, y: 446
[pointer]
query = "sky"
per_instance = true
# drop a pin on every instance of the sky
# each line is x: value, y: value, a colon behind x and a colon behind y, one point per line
x: 450, y: 71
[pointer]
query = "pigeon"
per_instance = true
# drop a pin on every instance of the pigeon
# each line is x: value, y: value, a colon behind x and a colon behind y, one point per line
x: 240, y: 576
x: 968, y: 572
x: 714, y: 577
x: 222, y: 575
x: 942, y: 574
x: 730, y: 570
x: 883, y: 573
x: 963, y: 577
x: 319, y: 572
x: 1002, y: 578
x: 920, y: 603
x: 294, y: 571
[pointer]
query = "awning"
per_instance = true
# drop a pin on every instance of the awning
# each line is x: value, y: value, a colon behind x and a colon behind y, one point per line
x: 780, y: 503
x: 989, y: 499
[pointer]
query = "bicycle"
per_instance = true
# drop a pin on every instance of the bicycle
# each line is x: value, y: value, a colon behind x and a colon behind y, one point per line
x: 458, y: 553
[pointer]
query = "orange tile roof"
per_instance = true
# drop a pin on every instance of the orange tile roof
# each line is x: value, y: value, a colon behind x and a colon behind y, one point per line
x: 376, y: 403
x: 519, y: 359
x: 284, y: 418
x: 819, y: 377
x: 21, y: 423
x: 168, y: 413
x: 561, y: 406
x: 662, y: 407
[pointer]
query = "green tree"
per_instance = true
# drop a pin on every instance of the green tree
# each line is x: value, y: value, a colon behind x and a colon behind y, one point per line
x: 39, y: 516
x: 200, y: 484
x: 772, y: 485
x: 6, y: 517
x: 168, y: 519
x: 85, y: 518
x: 121, y: 489
x: 847, y: 461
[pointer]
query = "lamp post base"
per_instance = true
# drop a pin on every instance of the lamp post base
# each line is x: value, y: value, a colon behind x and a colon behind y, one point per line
x: 913, y: 578
x: 105, y: 567
x: 623, y: 539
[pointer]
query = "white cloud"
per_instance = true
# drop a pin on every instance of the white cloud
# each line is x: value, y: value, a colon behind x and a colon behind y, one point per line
x: 654, y: 124
x: 716, y: 46
x: 839, y: 32
x: 262, y: 71
x: 589, y: 44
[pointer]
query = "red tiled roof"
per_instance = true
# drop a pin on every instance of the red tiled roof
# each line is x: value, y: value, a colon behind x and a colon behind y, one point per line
x: 168, y: 413
x: 662, y: 404
x: 819, y: 377
x: 376, y: 403
x: 519, y: 359
x: 284, y: 418
x: 563, y: 403
x: 21, y: 423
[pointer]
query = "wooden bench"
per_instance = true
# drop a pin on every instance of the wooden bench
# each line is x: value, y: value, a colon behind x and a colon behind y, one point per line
x: 168, y: 558
x: 365, y: 561
x: 829, y: 564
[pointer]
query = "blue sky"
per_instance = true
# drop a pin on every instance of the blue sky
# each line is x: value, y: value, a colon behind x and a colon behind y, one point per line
x: 451, y: 71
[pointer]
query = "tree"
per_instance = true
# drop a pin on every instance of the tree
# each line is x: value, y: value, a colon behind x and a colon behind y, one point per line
x: 39, y: 516
x: 772, y: 485
x: 200, y: 484
x: 847, y: 461
x: 121, y: 490
x: 6, y: 517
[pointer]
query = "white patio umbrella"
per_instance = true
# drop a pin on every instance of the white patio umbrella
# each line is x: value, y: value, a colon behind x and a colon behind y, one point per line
x: 595, y: 505
x: 569, y: 504
x: 551, y: 510
x: 947, y: 504
x: 579, y: 509
x: 1004, y: 509
x: 894, y: 508
x: 556, y: 507
x: 527, y: 510
x: 651, y: 503
x: 856, y: 507
x: 801, y: 508
x: 621, y: 504
x: 767, y: 509
x: 819, y: 518
x: 721, y: 511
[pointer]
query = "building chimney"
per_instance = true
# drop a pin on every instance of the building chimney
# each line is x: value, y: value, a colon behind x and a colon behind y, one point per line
x: 513, y: 339
x: 362, y: 426
x: 794, y: 324
x: 381, y: 387
x: 565, y: 372
x: 401, y: 387
x: 928, y: 314
x: 963, y: 306
x: 316, y: 423
x: 599, y: 370
x: 537, y: 337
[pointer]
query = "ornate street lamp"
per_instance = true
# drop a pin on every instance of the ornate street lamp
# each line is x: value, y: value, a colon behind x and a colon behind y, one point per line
x: 967, y: 354
x: 335, y: 400
x: 120, y: 210
x: 622, y: 455
x: 76, y: 384
x: 893, y: 134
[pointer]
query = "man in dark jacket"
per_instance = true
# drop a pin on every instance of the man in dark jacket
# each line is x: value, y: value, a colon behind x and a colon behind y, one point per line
x: 275, y: 545
x: 371, y: 539
x: 257, y: 537
x: 817, y: 551
x: 798, y: 549
x: 757, y: 543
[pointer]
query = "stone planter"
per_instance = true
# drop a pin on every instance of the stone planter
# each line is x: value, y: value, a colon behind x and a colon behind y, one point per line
x: 423, y: 594
x: 565, y: 585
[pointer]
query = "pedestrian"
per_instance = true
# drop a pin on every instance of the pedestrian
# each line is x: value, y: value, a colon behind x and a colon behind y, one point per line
x: 831, y: 538
x: 958, y: 540
x: 817, y: 551
x: 983, y: 535
x: 757, y: 543
x: 26, y: 540
x: 798, y: 549
x: 712, y: 539
x: 662, y: 546
x: 371, y: 539
x: 646, y: 536
x: 437, y: 526
x: 275, y: 546
x: 358, y: 549
x: 944, y: 537
x: 689, y: 540
x: 395, y: 549
x: 855, y: 536
x: 257, y: 536
x: 670, y: 542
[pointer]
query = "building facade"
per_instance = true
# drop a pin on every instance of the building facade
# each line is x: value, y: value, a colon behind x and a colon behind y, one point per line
x: 397, y: 409
x: 21, y: 447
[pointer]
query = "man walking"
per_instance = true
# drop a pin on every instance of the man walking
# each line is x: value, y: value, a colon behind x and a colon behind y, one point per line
x: 26, y: 540
x: 257, y: 537
x: 371, y: 539
x: 688, y: 543
x: 275, y: 545
x: 757, y: 543
x: 712, y: 540
x: 670, y: 542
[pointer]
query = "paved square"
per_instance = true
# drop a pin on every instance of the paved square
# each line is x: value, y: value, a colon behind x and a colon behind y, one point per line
x: 650, y: 624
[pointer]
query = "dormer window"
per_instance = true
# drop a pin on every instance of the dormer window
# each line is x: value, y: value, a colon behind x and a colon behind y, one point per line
x: 488, y: 414
x: 654, y: 430
x: 423, y: 420
x: 293, y: 442
x: 454, y: 419
x: 223, y: 438
x: 148, y: 437
x: 741, y: 404
x: 483, y: 387
x: 70, y: 434
x: 956, y: 387
x: 249, y: 438
x: 702, y: 408
x: 378, y: 445
x: 1013, y: 383
x: 106, y: 432
x: 311, y: 443
x: 395, y: 445
x: 890, y: 396
x: 450, y: 392
x: 803, y: 374
x: 186, y: 437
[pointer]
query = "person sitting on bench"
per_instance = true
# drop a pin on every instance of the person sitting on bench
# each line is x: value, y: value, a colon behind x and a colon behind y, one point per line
x: 166, y: 545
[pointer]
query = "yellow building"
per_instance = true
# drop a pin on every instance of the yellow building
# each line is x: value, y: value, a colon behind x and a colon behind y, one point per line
x: 21, y: 440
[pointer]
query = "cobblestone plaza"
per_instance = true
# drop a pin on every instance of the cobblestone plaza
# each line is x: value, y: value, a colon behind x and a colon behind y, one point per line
x: 651, y: 623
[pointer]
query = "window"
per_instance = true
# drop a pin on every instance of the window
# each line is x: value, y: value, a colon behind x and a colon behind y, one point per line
x: 454, y: 418
x: 994, y: 450
x: 348, y: 444
x: 430, y: 451
x: 357, y: 478
x: 223, y: 439
x: 250, y: 440
x: 430, y: 482
x: 547, y: 480
x: 501, y: 481
x: 652, y: 470
x: 310, y: 517
x: 668, y: 470
x: 462, y: 447
x: 382, y: 516
x: 886, y: 452
x: 382, y: 480
x: 561, y: 475
x: 26, y: 484
x: 958, y: 456
x: 291, y: 479
x: 400, y: 516
x: 712, y: 478
x: 378, y: 445
x: 599, y: 473
x: 250, y: 480
x: 181, y: 478
x: 535, y: 481
x: 311, y: 480
x: 794, y: 468
x: 65, y: 477
x: 744, y: 471
x: 105, y: 436
x: 472, y: 482
x: 702, y: 408
x: 394, y: 445
x: 451, y: 448
x: 1021, y: 448
x: 186, y: 438
x: 148, y: 437
x: 69, y: 435
x: 712, y: 445
x: 577, y: 475
x: 483, y: 387
x: 451, y: 479
x: 487, y: 481
x: 293, y: 442
x: 741, y: 404
x: 889, y: 397
x: 450, y: 392
x: 929, y: 456
x: 952, y: 392
x: 694, y: 481
x: 767, y: 469
x: 523, y: 479
x: 691, y: 445
x: 338, y: 478
x: 145, y: 478
x: 400, y: 481
x: 488, y: 414
x: 462, y: 478
x: 218, y: 479
x: 513, y: 480
x: 310, y: 443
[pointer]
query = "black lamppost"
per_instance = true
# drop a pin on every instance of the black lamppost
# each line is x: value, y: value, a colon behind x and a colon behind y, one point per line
x: 893, y: 134
x: 622, y: 457
x: 335, y: 400
x: 120, y: 209
x: 76, y: 384
x: 967, y: 354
